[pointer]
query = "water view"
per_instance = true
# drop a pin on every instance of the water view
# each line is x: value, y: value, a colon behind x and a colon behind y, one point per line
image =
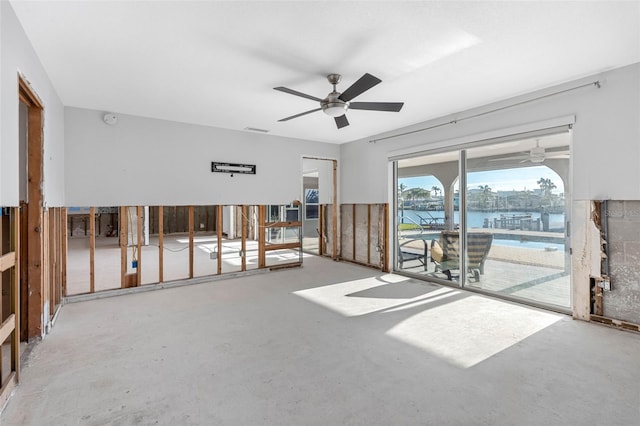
x: 476, y: 219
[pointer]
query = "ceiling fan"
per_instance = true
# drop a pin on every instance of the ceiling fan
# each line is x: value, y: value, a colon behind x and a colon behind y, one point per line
x: 537, y: 154
x: 336, y: 104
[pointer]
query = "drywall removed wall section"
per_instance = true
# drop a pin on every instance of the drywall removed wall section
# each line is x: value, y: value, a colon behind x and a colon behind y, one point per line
x: 623, y: 241
x: 153, y: 162
x: 363, y: 236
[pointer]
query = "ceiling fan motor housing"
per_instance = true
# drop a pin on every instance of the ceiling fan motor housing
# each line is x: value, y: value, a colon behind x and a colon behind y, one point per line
x: 334, y: 106
x: 536, y: 154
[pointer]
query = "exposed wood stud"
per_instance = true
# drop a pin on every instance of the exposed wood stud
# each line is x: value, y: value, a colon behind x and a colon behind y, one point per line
x: 245, y: 220
x: 7, y: 261
x: 139, y: 223
x: 63, y: 259
x: 354, y: 230
x: 219, y: 234
x: 15, y: 293
x: 191, y: 235
x: 598, y: 299
x: 283, y: 246
x: 54, y: 255
x: 615, y: 323
x: 160, y: 243
x: 385, y: 249
x: 369, y: 233
x: 22, y: 256
x: 124, y: 243
x: 334, y: 235
x: 282, y: 224
x: 7, y: 327
x: 175, y: 218
x: 321, y: 229
x: 262, y: 258
x: 46, y: 286
x: 285, y: 266
x: 92, y: 249
x: 8, y: 387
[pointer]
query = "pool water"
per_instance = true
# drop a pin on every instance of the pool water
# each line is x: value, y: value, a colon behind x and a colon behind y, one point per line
x: 530, y: 244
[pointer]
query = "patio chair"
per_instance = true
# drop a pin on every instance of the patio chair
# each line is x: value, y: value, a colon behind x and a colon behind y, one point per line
x: 445, y: 253
x: 407, y: 253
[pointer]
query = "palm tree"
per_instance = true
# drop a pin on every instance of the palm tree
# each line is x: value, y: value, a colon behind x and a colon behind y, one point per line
x: 546, y: 185
x: 414, y: 194
x: 401, y: 188
x: 485, y: 195
x: 435, y: 190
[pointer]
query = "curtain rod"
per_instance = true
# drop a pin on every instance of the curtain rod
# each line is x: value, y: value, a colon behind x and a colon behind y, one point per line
x: 593, y: 83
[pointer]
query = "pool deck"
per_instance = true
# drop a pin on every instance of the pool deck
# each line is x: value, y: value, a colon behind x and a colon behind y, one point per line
x: 530, y: 274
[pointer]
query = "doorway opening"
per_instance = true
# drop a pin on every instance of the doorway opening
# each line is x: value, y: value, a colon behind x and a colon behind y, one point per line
x: 319, y: 206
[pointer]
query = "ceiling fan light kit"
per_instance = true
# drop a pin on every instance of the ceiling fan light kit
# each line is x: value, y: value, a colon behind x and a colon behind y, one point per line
x: 336, y: 104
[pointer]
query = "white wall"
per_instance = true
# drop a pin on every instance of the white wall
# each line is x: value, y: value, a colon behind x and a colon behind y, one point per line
x: 17, y: 55
x: 606, y: 138
x: 143, y: 161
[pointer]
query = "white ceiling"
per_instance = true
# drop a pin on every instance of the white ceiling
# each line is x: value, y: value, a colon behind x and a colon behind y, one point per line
x: 216, y: 63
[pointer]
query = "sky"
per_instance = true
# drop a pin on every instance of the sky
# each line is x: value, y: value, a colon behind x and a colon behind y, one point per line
x: 498, y: 180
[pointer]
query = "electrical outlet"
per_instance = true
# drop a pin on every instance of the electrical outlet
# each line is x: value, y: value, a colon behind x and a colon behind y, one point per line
x: 605, y: 285
x: 213, y: 255
x: 240, y: 253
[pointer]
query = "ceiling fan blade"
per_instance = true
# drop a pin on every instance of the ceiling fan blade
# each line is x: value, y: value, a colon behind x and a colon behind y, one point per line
x: 296, y: 93
x: 342, y: 121
x: 365, y: 83
x: 515, y: 157
x: 377, y: 106
x: 300, y: 115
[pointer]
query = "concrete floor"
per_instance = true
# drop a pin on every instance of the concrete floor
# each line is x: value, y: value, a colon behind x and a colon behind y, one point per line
x: 327, y: 344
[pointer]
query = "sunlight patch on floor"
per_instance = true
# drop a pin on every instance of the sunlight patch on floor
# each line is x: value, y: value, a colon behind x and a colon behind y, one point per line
x: 364, y: 296
x: 432, y: 297
x: 468, y: 331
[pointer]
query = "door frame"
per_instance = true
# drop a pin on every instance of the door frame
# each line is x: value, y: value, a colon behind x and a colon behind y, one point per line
x: 31, y: 236
x: 334, y: 207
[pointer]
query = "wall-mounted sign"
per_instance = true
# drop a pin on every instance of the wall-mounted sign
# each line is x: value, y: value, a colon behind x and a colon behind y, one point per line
x: 249, y: 169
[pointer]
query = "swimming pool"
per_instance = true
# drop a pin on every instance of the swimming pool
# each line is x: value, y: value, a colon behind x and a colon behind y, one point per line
x: 539, y: 245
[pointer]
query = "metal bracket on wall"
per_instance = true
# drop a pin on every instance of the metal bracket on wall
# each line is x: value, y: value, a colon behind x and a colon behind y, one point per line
x: 249, y: 169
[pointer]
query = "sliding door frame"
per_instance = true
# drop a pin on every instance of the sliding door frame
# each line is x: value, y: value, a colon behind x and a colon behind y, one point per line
x: 555, y: 126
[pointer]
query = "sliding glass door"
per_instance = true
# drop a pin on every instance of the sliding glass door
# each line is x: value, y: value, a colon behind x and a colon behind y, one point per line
x: 510, y: 221
x: 428, y: 214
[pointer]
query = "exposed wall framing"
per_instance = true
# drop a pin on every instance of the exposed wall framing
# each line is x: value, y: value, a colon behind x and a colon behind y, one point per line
x: 614, y: 292
x: 176, y: 219
x: 160, y: 221
x: 265, y: 244
x: 10, y: 303
x: 364, y: 234
x: 212, y: 247
x: 56, y: 252
x: 329, y: 238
